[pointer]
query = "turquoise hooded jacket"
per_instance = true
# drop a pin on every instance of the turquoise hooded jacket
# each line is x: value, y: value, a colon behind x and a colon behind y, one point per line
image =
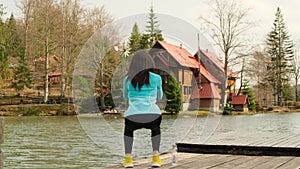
x: 143, y: 101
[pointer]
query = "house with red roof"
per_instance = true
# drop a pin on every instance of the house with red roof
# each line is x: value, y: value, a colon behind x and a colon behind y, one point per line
x: 215, y: 66
x: 240, y: 102
x: 198, y: 91
x: 54, y: 75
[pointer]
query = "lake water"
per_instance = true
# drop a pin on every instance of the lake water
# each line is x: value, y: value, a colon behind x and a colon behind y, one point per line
x: 96, y: 141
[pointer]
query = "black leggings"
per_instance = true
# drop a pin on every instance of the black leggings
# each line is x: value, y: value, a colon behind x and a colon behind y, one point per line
x: 135, y: 122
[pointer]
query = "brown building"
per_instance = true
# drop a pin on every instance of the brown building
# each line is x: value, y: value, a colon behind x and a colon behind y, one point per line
x: 216, y: 67
x: 240, y: 102
x: 198, y: 91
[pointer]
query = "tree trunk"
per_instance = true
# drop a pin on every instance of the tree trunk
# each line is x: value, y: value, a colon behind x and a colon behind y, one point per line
x: 102, y: 105
x: 46, y: 85
x: 224, y: 95
x: 296, y: 90
x: 47, y: 34
x: 62, y: 78
x: 242, y: 75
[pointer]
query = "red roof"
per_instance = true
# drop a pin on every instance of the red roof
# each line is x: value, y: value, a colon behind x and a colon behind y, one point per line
x: 208, y: 75
x: 208, y: 92
x: 181, y: 55
x: 184, y: 58
x: 51, y: 58
x: 55, y: 74
x: 239, y: 99
x: 217, y: 62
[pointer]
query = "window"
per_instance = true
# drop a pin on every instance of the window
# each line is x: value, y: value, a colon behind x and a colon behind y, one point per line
x: 187, y: 90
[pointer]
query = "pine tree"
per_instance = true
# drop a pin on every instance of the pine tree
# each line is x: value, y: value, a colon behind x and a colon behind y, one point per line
x: 280, y: 50
x: 173, y: 95
x: 248, y: 91
x: 21, y: 71
x: 152, y: 28
x: 22, y: 74
x: 13, y: 40
x: 287, y: 92
x: 144, y: 41
x: 4, y: 48
x: 134, y: 39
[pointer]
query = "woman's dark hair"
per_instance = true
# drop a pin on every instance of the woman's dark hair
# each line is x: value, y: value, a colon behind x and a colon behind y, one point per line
x: 139, y: 69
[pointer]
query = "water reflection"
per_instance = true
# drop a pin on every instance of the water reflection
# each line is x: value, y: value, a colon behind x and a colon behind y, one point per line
x: 62, y: 142
x: 50, y: 142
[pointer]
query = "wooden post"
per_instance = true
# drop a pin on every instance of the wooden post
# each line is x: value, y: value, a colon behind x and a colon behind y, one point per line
x: 1, y: 140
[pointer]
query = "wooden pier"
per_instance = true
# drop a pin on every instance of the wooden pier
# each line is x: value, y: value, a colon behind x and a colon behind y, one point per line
x: 221, y: 161
x: 234, y: 151
x: 247, y: 144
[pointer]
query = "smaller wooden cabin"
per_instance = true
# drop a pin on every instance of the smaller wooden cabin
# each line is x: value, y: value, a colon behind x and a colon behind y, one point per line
x: 240, y: 102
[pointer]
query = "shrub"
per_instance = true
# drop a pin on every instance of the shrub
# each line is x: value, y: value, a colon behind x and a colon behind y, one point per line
x: 32, y: 111
x: 173, y: 95
x: 62, y: 109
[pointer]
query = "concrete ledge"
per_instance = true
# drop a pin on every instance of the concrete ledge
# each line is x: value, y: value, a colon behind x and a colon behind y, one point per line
x: 1, y: 159
x: 1, y: 130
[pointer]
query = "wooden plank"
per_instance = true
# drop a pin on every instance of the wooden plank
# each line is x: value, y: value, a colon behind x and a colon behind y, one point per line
x: 167, y: 162
x: 258, y: 138
x: 166, y: 158
x: 292, y: 164
x: 184, y: 162
x: 238, y: 150
x: 298, y: 146
x: 270, y: 140
x: 229, y: 141
x: 234, y: 163
x: 276, y: 142
x: 291, y: 142
x: 220, y: 161
x: 273, y: 139
x: 253, y: 162
x: 212, y: 164
x: 205, y: 162
x: 273, y: 163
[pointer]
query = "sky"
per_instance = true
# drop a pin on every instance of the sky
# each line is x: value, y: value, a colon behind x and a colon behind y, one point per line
x: 262, y: 12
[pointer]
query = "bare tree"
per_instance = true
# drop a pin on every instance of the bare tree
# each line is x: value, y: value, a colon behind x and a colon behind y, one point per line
x: 71, y: 39
x: 296, y: 71
x: 226, y: 28
x: 243, y: 57
x: 26, y: 6
x: 242, y: 64
x: 99, y: 20
x: 257, y: 71
x: 44, y: 28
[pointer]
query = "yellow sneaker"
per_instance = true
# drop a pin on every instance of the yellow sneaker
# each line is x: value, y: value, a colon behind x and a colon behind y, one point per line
x: 128, y: 163
x: 156, y: 161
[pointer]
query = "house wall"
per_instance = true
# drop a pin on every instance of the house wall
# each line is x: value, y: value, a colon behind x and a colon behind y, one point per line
x: 55, y: 79
x: 185, y: 78
x: 240, y: 107
x: 207, y: 104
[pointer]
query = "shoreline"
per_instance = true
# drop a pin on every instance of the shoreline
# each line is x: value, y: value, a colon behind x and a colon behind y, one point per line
x: 67, y: 110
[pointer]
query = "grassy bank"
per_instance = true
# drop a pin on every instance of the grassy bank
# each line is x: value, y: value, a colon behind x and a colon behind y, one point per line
x: 65, y: 109
x: 37, y: 110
